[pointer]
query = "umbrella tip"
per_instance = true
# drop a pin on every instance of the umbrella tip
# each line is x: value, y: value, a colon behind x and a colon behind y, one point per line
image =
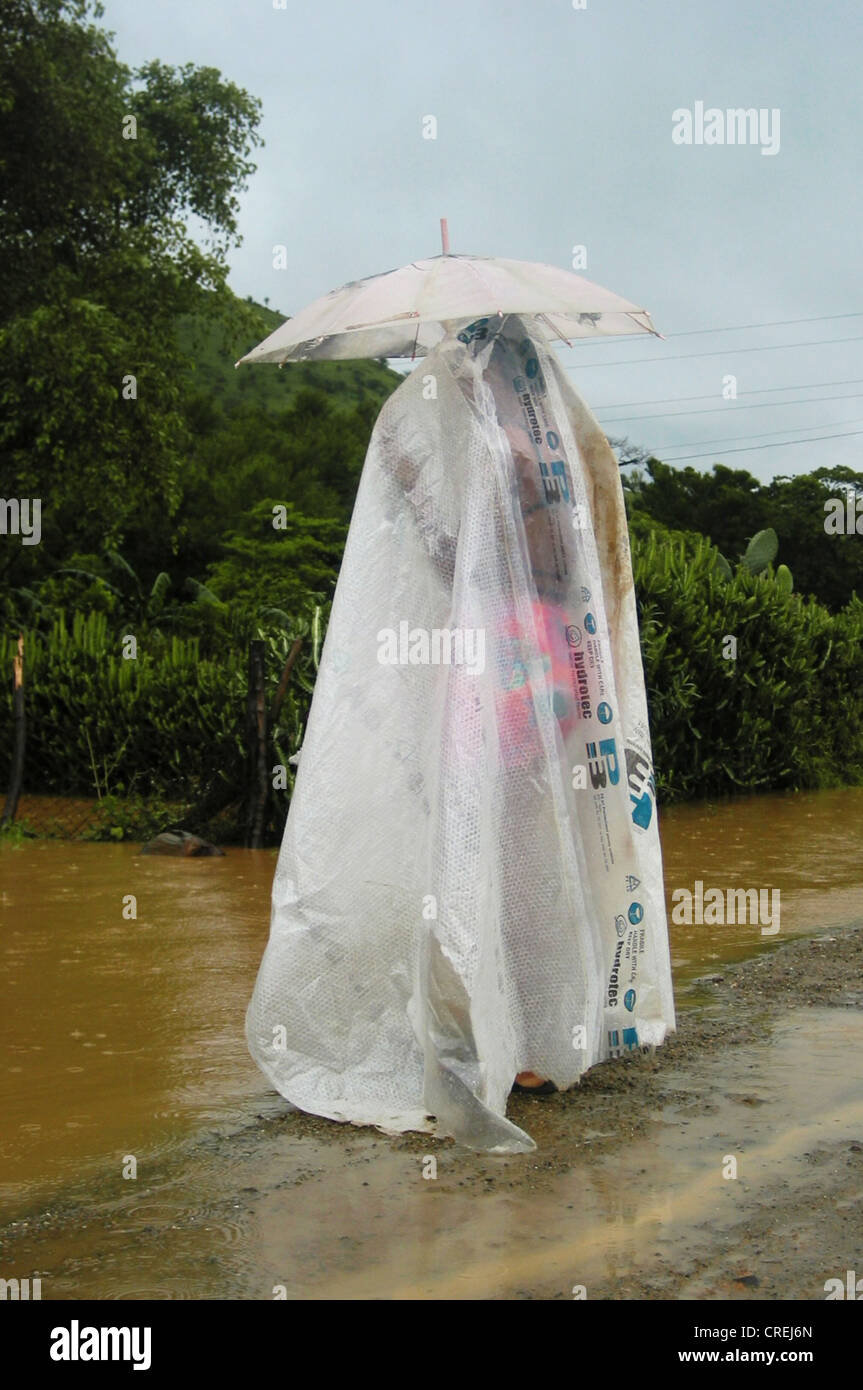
x: 444, y: 237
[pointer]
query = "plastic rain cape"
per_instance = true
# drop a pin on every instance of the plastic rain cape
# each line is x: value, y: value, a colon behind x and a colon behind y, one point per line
x: 470, y: 882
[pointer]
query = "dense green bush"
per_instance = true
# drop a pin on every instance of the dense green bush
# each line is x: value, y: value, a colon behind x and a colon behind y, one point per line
x: 166, y: 728
x: 165, y: 722
x: 786, y: 711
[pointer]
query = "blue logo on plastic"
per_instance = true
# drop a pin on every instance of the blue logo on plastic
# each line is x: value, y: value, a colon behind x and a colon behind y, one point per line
x: 531, y: 366
x: 629, y: 1000
x: 553, y: 440
x: 604, y: 712
x: 479, y: 329
x: 590, y: 622
x: 641, y: 811
x: 636, y: 912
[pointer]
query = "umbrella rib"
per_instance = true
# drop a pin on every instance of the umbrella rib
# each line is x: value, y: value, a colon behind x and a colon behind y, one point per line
x: 553, y: 326
x: 380, y: 323
x: 655, y: 331
x: 474, y: 271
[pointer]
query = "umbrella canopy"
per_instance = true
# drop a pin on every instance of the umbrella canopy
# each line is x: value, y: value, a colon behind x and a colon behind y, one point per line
x: 406, y: 313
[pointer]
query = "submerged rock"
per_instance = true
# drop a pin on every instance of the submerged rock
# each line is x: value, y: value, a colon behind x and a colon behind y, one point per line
x: 182, y: 845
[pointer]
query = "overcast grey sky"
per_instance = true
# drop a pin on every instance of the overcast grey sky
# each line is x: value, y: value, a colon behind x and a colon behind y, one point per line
x: 554, y: 128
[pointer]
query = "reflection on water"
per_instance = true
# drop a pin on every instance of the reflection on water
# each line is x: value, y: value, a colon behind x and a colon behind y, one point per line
x: 119, y: 1035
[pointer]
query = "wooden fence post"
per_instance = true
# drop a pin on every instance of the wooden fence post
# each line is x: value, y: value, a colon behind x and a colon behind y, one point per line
x: 283, y: 683
x: 16, y: 775
x: 257, y: 780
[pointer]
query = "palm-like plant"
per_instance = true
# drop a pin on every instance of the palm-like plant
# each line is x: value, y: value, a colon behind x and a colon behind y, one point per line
x: 140, y: 607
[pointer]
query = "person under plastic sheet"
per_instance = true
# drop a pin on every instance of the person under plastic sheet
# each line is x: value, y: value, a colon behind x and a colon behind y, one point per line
x: 491, y: 504
x: 521, y: 743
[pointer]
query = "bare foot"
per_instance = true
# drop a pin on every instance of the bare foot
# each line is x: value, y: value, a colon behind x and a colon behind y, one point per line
x: 529, y: 1079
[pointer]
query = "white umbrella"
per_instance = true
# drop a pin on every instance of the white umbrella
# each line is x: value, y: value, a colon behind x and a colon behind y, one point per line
x: 406, y: 312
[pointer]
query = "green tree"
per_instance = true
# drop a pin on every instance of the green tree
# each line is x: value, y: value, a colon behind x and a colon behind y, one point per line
x: 725, y: 504
x: 278, y: 570
x: 101, y: 165
x: 730, y: 507
x: 823, y: 564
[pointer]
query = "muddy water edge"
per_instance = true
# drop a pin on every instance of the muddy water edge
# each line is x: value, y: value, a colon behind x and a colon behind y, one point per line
x: 121, y: 1038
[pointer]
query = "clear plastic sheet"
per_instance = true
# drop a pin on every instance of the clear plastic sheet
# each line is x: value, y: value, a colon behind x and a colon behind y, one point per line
x: 470, y: 882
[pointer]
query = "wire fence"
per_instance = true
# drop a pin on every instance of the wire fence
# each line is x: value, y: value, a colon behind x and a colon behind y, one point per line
x: 94, y: 818
x: 59, y: 817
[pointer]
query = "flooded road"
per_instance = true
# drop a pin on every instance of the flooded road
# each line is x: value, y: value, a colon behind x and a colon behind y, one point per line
x: 809, y: 845
x: 121, y: 1037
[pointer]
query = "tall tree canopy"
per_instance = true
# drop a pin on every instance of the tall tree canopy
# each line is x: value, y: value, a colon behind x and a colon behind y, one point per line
x: 100, y: 166
x: 729, y: 506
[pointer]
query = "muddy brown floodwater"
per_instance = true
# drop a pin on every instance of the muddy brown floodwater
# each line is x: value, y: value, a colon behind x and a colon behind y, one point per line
x: 122, y: 1038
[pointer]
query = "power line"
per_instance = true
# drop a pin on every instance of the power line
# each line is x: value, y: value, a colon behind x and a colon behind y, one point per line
x: 776, y: 323
x: 733, y: 438
x: 734, y: 410
x: 719, y: 352
x: 683, y: 458
x: 762, y: 391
